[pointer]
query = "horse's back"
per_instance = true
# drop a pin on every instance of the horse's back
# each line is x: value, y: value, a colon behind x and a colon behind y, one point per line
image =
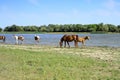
x: 20, y: 38
x: 80, y: 39
x: 69, y: 37
x: 36, y: 37
x: 2, y: 37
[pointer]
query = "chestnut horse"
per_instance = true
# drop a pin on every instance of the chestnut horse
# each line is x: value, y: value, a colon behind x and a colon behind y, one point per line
x: 82, y: 39
x: 68, y: 38
x: 37, y: 38
x: 3, y: 38
x: 17, y: 38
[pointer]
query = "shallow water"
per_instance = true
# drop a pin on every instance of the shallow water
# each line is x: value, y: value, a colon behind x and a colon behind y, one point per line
x: 111, y: 40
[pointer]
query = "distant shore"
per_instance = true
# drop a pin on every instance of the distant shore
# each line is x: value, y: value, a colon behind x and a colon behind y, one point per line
x: 58, y: 33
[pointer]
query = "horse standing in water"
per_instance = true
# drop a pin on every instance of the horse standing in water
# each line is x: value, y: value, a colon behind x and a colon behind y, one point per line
x: 17, y: 38
x: 82, y: 39
x: 37, y: 38
x: 69, y: 38
x: 3, y: 38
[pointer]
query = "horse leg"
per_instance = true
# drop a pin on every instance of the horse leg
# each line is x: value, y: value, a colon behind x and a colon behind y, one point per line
x: 21, y: 41
x: 76, y: 43
x: 4, y: 39
x: 64, y: 43
x: 68, y: 44
x: 83, y: 44
x: 37, y: 41
x: 16, y: 42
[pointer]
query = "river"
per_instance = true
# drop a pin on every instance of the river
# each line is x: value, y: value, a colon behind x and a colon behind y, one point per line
x: 111, y: 40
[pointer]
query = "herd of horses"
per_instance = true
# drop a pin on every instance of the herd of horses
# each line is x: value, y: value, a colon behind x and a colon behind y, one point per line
x: 64, y: 39
x: 20, y: 38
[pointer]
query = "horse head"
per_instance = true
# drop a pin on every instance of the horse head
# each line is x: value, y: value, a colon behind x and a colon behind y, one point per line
x: 61, y: 43
x: 87, y: 37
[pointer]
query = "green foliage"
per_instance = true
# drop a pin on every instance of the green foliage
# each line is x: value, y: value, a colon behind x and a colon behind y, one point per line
x: 1, y: 29
x: 30, y: 28
x: 14, y: 28
x: 65, y: 28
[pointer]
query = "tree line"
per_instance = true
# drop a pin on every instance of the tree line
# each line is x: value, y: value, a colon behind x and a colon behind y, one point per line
x: 64, y: 28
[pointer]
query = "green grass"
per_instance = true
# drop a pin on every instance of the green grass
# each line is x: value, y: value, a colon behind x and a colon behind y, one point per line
x: 31, y: 62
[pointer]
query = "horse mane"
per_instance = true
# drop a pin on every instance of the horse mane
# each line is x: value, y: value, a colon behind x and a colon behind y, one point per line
x: 62, y: 39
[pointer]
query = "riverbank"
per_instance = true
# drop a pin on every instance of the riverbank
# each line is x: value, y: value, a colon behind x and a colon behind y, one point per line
x: 34, y: 62
x: 59, y: 33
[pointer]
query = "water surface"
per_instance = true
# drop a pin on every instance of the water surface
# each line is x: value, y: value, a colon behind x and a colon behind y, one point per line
x: 111, y: 40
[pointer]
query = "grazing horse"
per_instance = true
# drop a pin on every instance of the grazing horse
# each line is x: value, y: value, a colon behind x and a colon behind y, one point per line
x: 68, y: 38
x: 37, y: 38
x: 3, y: 38
x: 17, y: 38
x: 82, y: 39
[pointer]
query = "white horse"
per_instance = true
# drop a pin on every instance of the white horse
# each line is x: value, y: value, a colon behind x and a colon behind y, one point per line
x: 37, y: 38
x: 18, y: 38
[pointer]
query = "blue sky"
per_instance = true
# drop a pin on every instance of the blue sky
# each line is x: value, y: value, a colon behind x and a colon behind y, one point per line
x: 44, y: 12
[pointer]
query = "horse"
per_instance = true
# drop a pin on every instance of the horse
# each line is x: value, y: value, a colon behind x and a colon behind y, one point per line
x: 18, y: 38
x: 68, y: 38
x: 82, y: 39
x: 3, y: 38
x: 37, y: 38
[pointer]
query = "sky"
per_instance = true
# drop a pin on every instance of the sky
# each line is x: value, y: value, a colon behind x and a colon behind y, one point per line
x: 44, y: 12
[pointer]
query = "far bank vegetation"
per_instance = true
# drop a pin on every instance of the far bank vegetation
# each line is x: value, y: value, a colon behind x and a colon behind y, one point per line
x: 93, y: 28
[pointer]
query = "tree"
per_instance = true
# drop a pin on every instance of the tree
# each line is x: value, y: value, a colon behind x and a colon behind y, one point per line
x: 118, y: 28
x: 14, y: 28
x: 43, y: 28
x: 112, y: 28
x: 1, y: 29
x: 92, y: 27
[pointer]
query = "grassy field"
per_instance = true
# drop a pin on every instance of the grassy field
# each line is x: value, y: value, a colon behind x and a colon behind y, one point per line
x: 33, y: 62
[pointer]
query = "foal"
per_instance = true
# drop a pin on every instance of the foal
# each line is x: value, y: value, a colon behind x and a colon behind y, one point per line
x: 82, y: 39
x: 17, y: 38
x: 68, y: 38
x: 3, y: 38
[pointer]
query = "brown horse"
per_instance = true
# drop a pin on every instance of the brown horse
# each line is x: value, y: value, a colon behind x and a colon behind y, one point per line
x: 82, y: 39
x: 3, y: 38
x: 68, y: 38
